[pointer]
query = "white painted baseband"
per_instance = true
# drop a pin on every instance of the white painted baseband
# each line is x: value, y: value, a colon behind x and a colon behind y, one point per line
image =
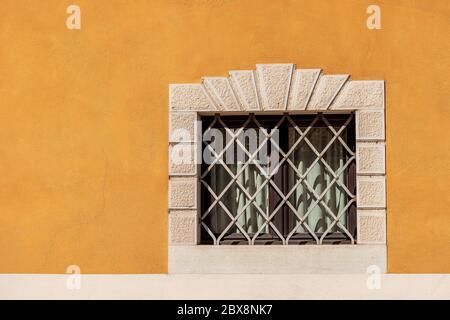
x: 205, y: 259
x: 221, y: 286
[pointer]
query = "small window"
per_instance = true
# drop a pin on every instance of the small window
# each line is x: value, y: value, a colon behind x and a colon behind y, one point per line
x: 278, y: 179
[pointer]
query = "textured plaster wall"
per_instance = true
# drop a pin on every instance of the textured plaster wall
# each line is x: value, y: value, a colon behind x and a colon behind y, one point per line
x: 83, y: 123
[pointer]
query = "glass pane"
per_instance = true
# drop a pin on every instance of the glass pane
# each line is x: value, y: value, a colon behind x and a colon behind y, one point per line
x: 318, y: 181
x: 241, y: 196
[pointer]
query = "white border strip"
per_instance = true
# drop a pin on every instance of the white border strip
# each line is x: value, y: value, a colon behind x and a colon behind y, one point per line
x: 245, y: 286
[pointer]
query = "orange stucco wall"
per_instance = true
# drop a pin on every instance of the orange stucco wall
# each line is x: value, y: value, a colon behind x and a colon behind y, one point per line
x: 83, y: 122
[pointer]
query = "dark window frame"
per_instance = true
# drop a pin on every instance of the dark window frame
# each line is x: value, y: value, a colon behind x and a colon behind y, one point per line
x: 236, y: 121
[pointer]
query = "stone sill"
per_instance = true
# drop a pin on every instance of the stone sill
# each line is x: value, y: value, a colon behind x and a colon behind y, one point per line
x: 206, y: 259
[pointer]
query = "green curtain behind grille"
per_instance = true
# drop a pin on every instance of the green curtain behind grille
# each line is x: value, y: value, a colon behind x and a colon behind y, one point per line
x: 235, y: 199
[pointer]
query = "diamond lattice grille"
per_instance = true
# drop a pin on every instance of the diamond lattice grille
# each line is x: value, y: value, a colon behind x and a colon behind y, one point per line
x: 284, y: 179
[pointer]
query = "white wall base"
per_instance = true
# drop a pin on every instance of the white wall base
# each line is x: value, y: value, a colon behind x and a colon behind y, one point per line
x: 245, y: 286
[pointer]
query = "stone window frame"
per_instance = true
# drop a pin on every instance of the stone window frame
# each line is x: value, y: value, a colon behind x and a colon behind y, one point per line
x: 275, y: 88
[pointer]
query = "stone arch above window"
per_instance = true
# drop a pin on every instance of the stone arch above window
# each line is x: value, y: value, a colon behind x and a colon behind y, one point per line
x: 277, y: 87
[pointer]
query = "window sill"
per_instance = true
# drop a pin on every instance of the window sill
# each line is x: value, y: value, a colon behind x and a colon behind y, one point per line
x: 206, y: 259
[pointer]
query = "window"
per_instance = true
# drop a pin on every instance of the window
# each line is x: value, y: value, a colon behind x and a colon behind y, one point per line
x: 303, y: 196
x: 278, y: 179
